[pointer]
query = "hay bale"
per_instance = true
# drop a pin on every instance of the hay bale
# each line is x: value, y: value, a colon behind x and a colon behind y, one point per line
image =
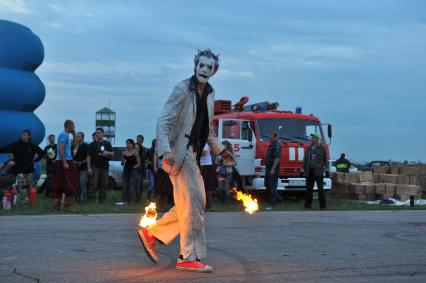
x: 403, y: 180
x: 352, y: 178
x: 410, y: 171
x: 382, y: 169
x: 413, y: 180
x: 380, y: 188
x: 390, y: 188
x: 366, y: 176
x: 388, y: 178
x: 408, y: 190
x: 355, y: 188
x: 395, y: 169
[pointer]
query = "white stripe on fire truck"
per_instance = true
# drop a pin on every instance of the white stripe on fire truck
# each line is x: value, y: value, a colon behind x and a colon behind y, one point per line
x: 300, y: 153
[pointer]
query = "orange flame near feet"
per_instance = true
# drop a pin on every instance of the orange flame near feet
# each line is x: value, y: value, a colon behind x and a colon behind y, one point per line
x: 249, y: 203
x: 150, y: 217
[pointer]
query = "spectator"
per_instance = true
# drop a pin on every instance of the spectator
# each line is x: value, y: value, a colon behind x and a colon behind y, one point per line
x: 224, y: 173
x: 131, y: 163
x: 79, y: 152
x: 50, y: 155
x: 142, y: 155
x: 209, y: 175
x: 65, y: 176
x: 94, y: 136
x: 149, y: 171
x: 314, y: 164
x: 24, y: 152
x: 163, y: 184
x: 99, y: 154
x: 342, y: 164
x: 6, y: 178
x: 272, y: 171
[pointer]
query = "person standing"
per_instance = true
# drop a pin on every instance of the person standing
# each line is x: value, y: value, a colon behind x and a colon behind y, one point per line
x: 342, y: 164
x: 314, y: 164
x: 183, y: 128
x: 79, y: 152
x: 23, y: 152
x: 50, y: 153
x: 131, y: 164
x: 224, y: 172
x: 142, y: 155
x: 208, y: 172
x: 163, y: 185
x: 272, y: 172
x: 149, y: 169
x: 65, y: 176
x: 99, y: 154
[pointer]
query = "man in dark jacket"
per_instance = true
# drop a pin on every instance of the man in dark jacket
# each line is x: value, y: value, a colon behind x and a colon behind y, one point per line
x: 273, y: 168
x: 23, y: 151
x: 50, y: 155
x: 342, y: 164
x: 314, y: 163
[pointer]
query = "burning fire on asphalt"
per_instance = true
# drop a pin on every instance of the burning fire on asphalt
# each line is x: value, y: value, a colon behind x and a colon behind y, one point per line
x: 249, y: 203
x: 150, y: 217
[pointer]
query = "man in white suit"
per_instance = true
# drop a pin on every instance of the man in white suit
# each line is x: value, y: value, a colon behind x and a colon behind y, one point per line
x: 184, y: 127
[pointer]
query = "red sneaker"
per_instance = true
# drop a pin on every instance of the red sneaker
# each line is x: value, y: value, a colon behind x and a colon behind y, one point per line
x: 148, y: 242
x: 194, y: 265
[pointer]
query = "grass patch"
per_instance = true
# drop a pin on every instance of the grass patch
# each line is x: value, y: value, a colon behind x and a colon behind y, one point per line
x: 44, y: 206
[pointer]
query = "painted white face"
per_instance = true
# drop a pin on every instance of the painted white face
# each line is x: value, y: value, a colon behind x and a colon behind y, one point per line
x: 204, y: 69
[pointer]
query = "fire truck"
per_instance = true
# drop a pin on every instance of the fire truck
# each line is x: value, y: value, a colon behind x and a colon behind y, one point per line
x: 248, y: 127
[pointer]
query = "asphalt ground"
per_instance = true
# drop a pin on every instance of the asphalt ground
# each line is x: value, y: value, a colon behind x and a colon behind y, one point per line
x: 305, y: 246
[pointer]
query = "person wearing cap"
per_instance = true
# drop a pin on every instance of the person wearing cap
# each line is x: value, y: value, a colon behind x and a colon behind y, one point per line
x: 272, y: 162
x: 342, y: 164
x: 314, y: 164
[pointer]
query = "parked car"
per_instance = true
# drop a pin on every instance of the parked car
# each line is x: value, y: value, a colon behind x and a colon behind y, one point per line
x: 116, y: 169
x: 352, y: 169
x: 370, y: 166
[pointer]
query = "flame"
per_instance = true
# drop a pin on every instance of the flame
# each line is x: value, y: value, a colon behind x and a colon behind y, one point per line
x: 150, y: 217
x: 249, y: 203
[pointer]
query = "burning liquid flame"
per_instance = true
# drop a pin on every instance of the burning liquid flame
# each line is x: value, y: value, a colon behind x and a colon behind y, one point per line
x: 249, y: 203
x: 150, y: 217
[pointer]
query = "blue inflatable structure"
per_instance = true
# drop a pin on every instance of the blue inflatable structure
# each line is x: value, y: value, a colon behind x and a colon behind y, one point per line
x: 21, y: 91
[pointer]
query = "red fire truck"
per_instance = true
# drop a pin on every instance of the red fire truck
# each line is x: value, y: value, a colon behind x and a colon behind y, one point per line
x: 248, y: 128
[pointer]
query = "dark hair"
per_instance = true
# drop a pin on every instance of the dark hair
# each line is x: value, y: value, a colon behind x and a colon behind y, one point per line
x: 274, y: 134
x: 81, y: 133
x: 140, y: 136
x: 209, y: 54
x: 50, y: 136
x: 130, y: 141
x: 68, y: 122
x: 228, y: 146
x: 342, y: 155
x: 93, y: 134
x: 27, y: 131
x: 100, y: 129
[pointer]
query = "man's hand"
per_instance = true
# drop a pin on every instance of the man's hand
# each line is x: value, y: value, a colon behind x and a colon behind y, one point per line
x: 106, y: 153
x: 66, y: 166
x: 90, y: 171
x: 168, y: 158
x: 1, y: 165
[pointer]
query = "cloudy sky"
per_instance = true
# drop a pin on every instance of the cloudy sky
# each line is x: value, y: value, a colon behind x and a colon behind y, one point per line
x: 360, y: 65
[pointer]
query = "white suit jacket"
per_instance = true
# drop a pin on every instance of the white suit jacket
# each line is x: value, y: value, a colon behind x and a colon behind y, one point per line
x: 175, y: 124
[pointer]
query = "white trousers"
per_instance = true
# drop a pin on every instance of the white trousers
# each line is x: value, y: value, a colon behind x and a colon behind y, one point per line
x: 186, y: 218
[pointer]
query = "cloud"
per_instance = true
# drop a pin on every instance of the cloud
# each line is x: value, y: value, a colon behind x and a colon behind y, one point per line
x: 113, y: 68
x: 15, y: 6
x: 241, y: 74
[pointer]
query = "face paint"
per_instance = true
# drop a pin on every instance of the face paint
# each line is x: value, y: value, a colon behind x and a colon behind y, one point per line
x: 204, y: 69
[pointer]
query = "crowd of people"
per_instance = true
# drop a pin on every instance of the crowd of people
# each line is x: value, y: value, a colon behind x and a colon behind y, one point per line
x: 77, y: 171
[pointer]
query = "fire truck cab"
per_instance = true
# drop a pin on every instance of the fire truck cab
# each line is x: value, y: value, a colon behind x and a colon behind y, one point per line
x: 248, y: 129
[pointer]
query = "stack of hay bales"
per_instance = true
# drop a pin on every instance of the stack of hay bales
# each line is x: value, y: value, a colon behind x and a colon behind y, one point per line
x: 396, y: 181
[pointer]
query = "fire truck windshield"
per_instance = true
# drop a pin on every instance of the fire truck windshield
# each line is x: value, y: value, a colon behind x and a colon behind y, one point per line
x: 289, y: 130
